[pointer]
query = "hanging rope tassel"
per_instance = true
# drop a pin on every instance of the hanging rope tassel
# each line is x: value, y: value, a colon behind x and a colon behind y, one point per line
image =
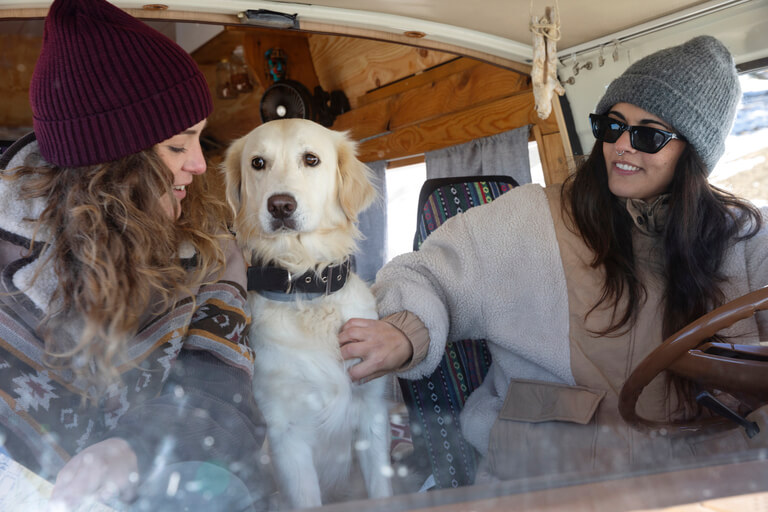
x: 546, y: 33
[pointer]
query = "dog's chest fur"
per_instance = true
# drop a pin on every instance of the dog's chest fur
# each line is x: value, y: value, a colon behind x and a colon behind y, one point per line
x: 300, y: 377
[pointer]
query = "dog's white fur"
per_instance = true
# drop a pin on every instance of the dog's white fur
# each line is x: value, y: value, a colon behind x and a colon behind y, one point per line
x: 316, y: 416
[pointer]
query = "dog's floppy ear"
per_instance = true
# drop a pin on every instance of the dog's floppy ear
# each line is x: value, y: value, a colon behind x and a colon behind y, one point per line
x: 233, y: 174
x: 356, y: 192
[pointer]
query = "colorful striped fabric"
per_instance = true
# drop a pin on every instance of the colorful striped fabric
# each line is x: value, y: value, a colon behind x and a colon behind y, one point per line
x: 434, y: 402
x: 446, y: 197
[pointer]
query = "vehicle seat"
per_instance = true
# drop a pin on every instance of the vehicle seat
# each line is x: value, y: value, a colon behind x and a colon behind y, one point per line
x: 434, y: 402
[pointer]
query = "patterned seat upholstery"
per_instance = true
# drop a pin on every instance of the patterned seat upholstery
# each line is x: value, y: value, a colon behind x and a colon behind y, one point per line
x: 434, y: 402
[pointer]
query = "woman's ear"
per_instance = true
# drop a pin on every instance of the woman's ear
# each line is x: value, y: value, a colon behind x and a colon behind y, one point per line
x: 356, y: 192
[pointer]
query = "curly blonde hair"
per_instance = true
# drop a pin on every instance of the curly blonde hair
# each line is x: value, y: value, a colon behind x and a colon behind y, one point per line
x: 115, y: 251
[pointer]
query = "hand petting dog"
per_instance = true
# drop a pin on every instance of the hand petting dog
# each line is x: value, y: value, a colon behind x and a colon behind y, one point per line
x: 381, y: 347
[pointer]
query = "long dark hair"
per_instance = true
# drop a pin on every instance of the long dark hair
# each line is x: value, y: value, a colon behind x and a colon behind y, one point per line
x: 703, y: 222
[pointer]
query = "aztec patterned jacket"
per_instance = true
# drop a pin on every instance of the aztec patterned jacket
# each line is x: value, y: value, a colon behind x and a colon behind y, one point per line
x: 186, y: 386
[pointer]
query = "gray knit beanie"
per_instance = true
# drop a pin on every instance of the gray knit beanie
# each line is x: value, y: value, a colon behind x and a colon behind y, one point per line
x: 693, y: 86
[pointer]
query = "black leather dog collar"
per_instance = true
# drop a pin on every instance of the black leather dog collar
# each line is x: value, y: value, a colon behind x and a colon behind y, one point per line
x: 277, y: 279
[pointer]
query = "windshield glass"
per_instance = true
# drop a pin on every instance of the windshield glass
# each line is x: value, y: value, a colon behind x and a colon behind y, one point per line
x: 214, y: 382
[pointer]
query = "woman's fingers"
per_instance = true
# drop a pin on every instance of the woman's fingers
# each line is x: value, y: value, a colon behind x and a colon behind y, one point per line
x: 356, y: 329
x: 364, y: 371
x: 381, y: 347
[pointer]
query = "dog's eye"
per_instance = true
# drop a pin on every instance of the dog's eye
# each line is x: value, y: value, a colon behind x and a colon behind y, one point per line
x: 311, y: 160
x: 257, y: 163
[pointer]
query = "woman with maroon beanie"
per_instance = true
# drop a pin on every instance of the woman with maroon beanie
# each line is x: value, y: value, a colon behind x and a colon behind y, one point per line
x: 124, y: 367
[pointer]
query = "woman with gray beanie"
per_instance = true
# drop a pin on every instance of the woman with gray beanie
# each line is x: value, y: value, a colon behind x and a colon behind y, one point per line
x: 573, y: 285
x: 126, y: 373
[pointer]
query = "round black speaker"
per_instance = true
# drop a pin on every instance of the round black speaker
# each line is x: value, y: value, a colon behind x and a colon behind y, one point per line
x: 286, y: 99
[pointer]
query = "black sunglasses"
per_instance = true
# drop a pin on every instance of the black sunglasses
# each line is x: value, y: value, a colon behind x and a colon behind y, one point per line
x: 642, y: 138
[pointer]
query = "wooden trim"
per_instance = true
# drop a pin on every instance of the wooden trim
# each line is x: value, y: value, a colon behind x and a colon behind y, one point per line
x: 554, y: 163
x: 30, y: 13
x: 489, y: 119
x: 185, y: 16
x: 404, y: 162
x: 563, y: 129
x: 439, y: 94
x: 169, y: 15
x: 558, y: 164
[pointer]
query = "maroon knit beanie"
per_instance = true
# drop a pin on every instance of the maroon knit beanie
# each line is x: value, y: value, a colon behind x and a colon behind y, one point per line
x: 107, y: 85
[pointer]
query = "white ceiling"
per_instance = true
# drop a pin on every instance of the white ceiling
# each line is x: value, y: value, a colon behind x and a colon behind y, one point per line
x: 499, y: 27
x: 581, y: 20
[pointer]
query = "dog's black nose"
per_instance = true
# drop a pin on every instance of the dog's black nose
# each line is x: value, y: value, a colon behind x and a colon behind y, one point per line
x: 281, y: 206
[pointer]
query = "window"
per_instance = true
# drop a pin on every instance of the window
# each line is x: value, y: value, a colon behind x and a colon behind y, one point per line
x: 743, y: 169
x: 403, y: 187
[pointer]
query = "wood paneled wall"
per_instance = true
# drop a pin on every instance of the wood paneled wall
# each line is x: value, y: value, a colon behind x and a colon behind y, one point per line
x: 18, y: 54
x: 453, y: 103
x: 405, y: 100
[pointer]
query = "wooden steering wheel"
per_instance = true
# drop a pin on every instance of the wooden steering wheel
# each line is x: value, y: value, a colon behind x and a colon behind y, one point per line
x: 741, y: 370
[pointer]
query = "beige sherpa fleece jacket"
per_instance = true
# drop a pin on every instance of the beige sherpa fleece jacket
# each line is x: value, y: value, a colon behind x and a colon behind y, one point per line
x: 509, y: 272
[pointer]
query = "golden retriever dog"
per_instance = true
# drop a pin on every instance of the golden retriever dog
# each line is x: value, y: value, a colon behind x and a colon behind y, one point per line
x: 296, y: 189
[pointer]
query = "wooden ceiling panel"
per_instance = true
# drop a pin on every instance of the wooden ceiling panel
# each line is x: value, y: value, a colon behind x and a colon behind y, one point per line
x: 358, y: 66
x: 451, y: 87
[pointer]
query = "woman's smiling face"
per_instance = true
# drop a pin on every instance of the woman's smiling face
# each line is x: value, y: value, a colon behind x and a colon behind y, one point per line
x: 632, y: 173
x: 183, y: 155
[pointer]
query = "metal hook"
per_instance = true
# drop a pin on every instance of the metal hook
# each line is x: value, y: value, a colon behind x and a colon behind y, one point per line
x: 577, y: 67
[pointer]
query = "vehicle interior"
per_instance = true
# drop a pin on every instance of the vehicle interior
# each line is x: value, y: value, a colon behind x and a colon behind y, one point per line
x: 409, y: 80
